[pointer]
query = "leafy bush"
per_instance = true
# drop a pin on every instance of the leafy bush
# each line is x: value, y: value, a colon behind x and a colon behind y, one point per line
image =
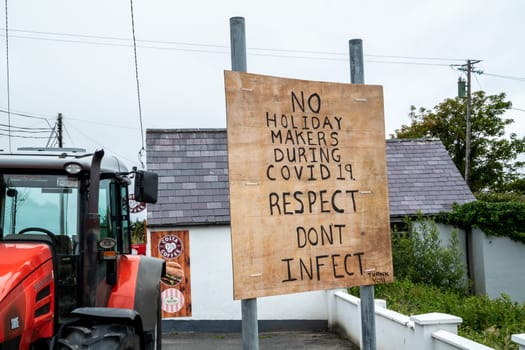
x: 487, y: 321
x: 493, y: 218
x: 421, y: 257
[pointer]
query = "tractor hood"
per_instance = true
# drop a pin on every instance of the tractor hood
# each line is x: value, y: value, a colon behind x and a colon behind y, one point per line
x: 18, y: 261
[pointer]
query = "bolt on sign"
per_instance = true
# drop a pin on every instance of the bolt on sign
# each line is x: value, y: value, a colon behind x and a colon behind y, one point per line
x: 308, y: 185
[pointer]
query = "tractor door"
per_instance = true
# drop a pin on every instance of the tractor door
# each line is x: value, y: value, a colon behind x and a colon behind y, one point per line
x: 115, y: 237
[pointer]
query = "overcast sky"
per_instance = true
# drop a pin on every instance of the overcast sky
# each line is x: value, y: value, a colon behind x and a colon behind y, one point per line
x: 76, y: 58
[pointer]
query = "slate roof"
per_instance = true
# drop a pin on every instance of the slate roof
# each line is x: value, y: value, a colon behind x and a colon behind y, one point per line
x: 422, y: 177
x: 193, y: 177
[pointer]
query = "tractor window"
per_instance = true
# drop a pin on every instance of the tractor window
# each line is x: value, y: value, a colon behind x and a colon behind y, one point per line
x: 39, y: 204
x: 104, y: 210
x: 124, y: 214
x: 114, y: 213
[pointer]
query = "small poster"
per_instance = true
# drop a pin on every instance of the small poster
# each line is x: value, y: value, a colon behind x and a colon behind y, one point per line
x: 174, y: 248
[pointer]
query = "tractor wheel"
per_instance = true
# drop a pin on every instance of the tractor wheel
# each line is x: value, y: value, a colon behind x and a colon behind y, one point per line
x: 99, y: 337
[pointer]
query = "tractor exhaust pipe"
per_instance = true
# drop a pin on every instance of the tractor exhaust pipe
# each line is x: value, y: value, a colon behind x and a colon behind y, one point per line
x: 88, y: 246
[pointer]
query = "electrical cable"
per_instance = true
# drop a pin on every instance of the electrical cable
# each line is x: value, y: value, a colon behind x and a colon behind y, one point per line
x: 68, y: 135
x: 250, y: 53
x: 504, y: 76
x: 24, y: 137
x: 103, y: 124
x: 411, y: 63
x: 11, y: 130
x: 29, y: 115
x: 24, y: 128
x: 26, y: 115
x: 226, y: 48
x: 51, y: 139
x: 101, y: 145
x: 143, y: 148
x: 7, y: 73
x: 477, y: 80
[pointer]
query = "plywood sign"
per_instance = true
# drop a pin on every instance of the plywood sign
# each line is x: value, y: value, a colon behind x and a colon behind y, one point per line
x: 308, y: 185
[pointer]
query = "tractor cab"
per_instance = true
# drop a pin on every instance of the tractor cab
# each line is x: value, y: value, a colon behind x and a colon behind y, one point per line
x: 76, y: 203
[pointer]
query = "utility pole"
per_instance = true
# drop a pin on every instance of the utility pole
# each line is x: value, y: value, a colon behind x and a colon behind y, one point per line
x: 469, y: 68
x: 56, y: 132
x: 59, y: 130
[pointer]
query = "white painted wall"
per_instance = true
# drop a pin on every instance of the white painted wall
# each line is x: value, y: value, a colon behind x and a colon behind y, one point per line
x: 499, y: 265
x: 497, y: 262
x: 212, y: 283
x: 433, y: 331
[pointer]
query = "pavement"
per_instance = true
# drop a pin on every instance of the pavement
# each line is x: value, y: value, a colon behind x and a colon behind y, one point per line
x: 268, y: 340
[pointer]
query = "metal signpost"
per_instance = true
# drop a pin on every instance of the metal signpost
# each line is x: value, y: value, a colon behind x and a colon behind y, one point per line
x: 368, y: 322
x: 250, y: 329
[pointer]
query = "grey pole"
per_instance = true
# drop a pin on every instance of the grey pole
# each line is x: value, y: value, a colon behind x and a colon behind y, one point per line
x: 238, y: 44
x: 357, y: 67
x: 250, y: 329
x: 368, y: 321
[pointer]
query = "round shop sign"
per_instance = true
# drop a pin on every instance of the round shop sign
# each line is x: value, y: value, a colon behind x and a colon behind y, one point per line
x: 170, y: 247
x: 134, y: 206
x: 172, y: 300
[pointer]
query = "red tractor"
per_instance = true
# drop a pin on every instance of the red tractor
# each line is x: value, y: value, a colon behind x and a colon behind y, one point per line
x: 67, y: 276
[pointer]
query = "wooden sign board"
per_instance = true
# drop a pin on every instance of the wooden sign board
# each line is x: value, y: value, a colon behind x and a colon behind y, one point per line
x: 308, y: 186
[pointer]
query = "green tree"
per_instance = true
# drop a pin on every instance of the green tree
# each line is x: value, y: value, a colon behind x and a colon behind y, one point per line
x: 138, y: 231
x: 494, y: 164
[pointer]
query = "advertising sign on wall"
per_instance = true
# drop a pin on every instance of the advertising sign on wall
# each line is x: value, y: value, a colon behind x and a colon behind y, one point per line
x: 174, y: 247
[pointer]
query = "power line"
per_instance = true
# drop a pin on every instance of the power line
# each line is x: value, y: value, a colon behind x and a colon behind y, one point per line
x: 101, y: 145
x: 286, y: 52
x: 26, y: 115
x: 30, y: 115
x: 250, y: 53
x: 25, y: 129
x: 68, y: 135
x: 11, y: 130
x: 481, y: 72
x: 24, y: 137
x: 102, y: 124
x: 115, y: 38
x: 411, y: 63
x: 417, y: 58
x: 143, y: 148
x: 7, y: 73
x: 504, y: 76
x: 225, y: 47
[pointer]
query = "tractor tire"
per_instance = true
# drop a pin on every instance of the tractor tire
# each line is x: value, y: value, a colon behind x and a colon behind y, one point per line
x: 99, y: 337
